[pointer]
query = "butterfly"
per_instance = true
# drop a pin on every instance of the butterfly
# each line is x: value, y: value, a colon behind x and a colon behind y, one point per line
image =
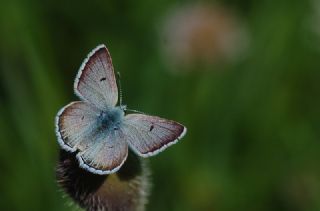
x: 99, y: 131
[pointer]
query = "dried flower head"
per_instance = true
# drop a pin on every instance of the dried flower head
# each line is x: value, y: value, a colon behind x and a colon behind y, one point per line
x: 125, y: 190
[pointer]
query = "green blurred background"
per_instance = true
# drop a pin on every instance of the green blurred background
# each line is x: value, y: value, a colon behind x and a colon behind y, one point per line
x: 253, y: 121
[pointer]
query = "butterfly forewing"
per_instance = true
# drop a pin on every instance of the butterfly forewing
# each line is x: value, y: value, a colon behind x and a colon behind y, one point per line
x: 148, y: 135
x: 96, y: 81
x: 107, y: 154
x: 74, y: 124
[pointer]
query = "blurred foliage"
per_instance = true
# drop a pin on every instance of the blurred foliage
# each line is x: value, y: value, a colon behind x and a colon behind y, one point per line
x: 253, y: 125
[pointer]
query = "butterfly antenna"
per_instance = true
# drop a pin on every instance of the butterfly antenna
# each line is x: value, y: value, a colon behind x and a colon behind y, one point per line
x: 120, y: 97
x: 120, y: 90
x: 134, y: 111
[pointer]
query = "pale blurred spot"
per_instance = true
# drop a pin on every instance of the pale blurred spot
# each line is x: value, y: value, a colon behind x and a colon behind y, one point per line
x: 202, y: 34
x: 315, y: 17
x: 311, y: 26
x: 300, y: 190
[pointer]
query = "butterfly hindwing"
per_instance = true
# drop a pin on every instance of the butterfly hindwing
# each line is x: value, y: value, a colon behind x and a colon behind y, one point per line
x: 100, y: 152
x: 148, y: 135
x: 107, y: 155
x: 74, y: 124
x: 95, y: 81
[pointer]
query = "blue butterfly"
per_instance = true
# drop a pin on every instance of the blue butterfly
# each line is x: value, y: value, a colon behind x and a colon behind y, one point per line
x: 99, y: 131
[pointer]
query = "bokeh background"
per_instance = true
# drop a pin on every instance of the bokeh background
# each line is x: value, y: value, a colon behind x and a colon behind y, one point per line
x: 243, y: 76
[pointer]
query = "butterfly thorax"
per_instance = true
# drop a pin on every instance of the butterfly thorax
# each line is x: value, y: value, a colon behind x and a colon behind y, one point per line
x: 110, y: 119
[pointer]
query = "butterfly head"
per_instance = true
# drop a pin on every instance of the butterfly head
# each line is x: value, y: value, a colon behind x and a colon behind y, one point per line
x: 123, y: 107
